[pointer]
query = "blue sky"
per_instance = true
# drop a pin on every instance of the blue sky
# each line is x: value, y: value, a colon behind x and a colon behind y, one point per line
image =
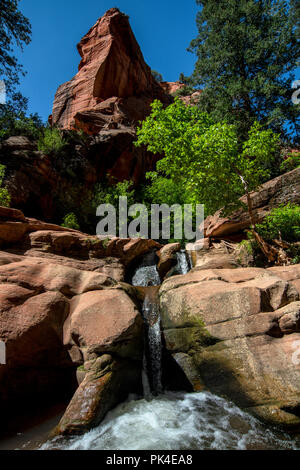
x: 163, y: 29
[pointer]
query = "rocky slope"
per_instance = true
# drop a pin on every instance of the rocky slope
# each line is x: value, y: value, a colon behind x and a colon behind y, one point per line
x: 63, y: 306
x: 71, y: 325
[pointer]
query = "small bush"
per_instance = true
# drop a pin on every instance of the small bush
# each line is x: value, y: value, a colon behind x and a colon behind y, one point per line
x: 4, y: 194
x: 51, y: 141
x: 283, y: 221
x: 292, y: 162
x: 184, y: 91
x: 70, y: 221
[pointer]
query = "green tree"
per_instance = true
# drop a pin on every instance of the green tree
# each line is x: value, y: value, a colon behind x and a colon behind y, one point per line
x: 157, y: 76
x: 70, y: 221
x: 282, y: 222
x: 207, y: 158
x: 4, y: 194
x: 14, y: 123
x: 247, y: 51
x: 15, y: 31
x: 51, y: 141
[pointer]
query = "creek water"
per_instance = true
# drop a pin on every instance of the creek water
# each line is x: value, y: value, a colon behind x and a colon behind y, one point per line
x: 183, y: 262
x: 146, y: 274
x: 165, y: 420
x: 178, y: 421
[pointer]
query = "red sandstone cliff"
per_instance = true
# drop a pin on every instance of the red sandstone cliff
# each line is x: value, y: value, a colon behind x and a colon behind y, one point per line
x: 114, y: 86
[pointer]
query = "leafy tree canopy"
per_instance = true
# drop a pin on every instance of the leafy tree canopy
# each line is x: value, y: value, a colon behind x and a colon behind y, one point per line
x: 15, y: 31
x: 247, y: 51
x: 205, y: 158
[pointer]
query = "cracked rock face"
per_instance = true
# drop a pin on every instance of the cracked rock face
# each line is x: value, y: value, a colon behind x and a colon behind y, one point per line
x: 241, y: 328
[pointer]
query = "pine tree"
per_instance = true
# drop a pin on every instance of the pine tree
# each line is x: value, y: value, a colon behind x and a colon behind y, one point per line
x: 247, y: 52
x: 15, y: 30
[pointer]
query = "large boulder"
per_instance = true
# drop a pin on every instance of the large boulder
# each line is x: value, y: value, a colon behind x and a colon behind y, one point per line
x: 240, y: 328
x: 53, y: 318
x: 167, y: 258
x: 64, y: 246
x: 107, y: 382
x: 281, y: 190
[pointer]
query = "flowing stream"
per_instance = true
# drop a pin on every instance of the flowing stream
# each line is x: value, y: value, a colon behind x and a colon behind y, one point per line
x: 164, y: 420
x: 172, y: 420
x: 183, y: 262
x: 178, y: 421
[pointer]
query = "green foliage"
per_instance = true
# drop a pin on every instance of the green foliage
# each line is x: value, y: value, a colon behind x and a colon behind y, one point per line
x: 205, y: 158
x: 283, y: 221
x: 184, y: 91
x: 4, y: 194
x: 247, y: 53
x: 14, y: 124
x: 70, y: 221
x: 15, y: 31
x: 184, y: 79
x: 294, y: 253
x: 292, y: 162
x: 51, y: 141
x: 157, y: 76
x: 107, y: 193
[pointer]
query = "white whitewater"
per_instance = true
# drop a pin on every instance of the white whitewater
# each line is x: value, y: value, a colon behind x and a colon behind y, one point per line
x: 152, y: 360
x: 146, y: 274
x: 183, y: 262
x: 177, y: 421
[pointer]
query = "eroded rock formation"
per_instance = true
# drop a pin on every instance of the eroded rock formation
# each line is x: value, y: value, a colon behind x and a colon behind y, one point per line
x: 114, y: 86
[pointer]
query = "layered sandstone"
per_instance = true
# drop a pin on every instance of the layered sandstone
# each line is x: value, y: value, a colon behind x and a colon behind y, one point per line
x: 113, y: 86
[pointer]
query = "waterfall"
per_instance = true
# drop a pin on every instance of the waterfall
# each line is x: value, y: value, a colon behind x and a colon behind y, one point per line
x: 147, y: 277
x: 153, y: 350
x: 183, y: 262
x: 146, y: 273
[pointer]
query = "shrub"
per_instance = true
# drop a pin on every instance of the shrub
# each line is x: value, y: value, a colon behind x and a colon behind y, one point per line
x: 292, y: 162
x: 184, y: 91
x: 157, y: 76
x: 70, y: 221
x: 51, y: 141
x: 14, y: 124
x: 283, y: 221
x: 4, y: 194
